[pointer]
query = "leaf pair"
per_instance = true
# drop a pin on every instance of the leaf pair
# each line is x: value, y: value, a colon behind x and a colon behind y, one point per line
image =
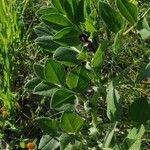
x: 113, y: 19
x: 70, y: 123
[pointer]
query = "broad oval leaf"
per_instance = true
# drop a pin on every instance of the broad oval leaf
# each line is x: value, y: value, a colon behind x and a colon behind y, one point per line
x: 44, y: 89
x: 139, y: 111
x: 64, y: 139
x: 48, y: 125
x: 68, y: 7
x: 71, y: 122
x: 39, y: 70
x: 47, y: 43
x: 128, y: 10
x: 58, y: 5
x: 79, y: 11
x: 67, y: 37
x: 78, y: 79
x: 30, y: 85
x: 67, y: 56
x: 56, y: 19
x: 62, y: 99
x: 42, y: 31
x: 46, y: 10
x: 48, y: 143
x: 74, y: 10
x: 54, y: 72
x: 112, y: 18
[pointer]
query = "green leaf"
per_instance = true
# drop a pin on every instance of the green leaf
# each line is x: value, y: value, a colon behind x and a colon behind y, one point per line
x: 136, y: 145
x: 68, y: 7
x: 90, y: 25
x: 44, y: 89
x: 47, y: 43
x: 79, y: 11
x: 113, y: 104
x: 144, y: 73
x: 67, y: 37
x: 58, y: 4
x: 48, y: 143
x: 87, y: 8
x: 48, y: 125
x: 112, y: 18
x: 134, y: 137
x: 39, y: 70
x: 30, y: 85
x: 56, y: 19
x: 64, y: 139
x: 77, y: 79
x: 128, y: 10
x: 117, y: 42
x: 62, y: 98
x: 139, y: 110
x: 46, y: 10
x: 54, y: 72
x: 145, y: 34
x: 71, y: 122
x: 99, y: 55
x: 109, y: 136
x: 67, y: 56
x: 42, y: 31
x: 136, y: 132
x: 142, y: 23
x: 143, y: 29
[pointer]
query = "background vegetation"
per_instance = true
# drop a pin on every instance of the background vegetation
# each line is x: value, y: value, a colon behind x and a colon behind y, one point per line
x: 106, y: 84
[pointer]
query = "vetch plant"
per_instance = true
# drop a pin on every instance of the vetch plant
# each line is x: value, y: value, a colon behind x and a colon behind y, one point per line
x: 72, y: 76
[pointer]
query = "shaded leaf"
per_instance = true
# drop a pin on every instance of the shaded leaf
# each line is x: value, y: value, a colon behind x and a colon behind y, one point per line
x: 139, y: 110
x: 64, y: 141
x: 58, y: 5
x: 54, y: 72
x: 68, y: 37
x: 48, y: 125
x: 39, y: 70
x: 71, y: 122
x: 30, y: 85
x: 77, y: 79
x: 47, y: 43
x: 111, y: 17
x: 44, y: 89
x: 62, y: 98
x: 42, y: 31
x: 144, y: 73
x: 46, y: 10
x: 67, y: 56
x: 128, y: 10
x: 56, y: 20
